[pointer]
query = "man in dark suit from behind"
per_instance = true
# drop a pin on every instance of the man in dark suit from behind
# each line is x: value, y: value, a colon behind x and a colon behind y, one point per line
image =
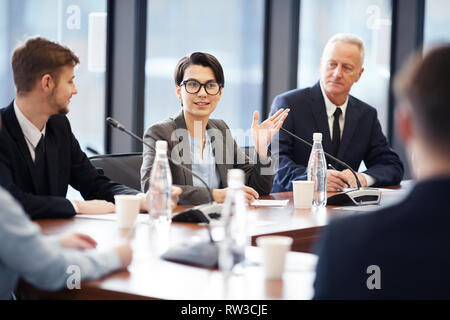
x: 350, y: 127
x: 402, y: 252
x: 39, y: 155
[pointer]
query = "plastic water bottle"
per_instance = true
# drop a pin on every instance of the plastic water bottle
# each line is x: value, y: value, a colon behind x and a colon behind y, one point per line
x: 160, y: 186
x: 317, y: 172
x: 234, y: 223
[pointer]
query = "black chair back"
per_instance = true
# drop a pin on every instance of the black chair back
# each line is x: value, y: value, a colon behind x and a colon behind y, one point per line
x: 123, y: 168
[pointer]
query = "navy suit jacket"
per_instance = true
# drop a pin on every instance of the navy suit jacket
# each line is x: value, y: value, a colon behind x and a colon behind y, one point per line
x: 409, y: 242
x: 66, y: 164
x: 362, y: 139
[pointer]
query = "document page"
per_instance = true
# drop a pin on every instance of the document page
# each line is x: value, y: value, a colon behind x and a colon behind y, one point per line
x: 270, y: 203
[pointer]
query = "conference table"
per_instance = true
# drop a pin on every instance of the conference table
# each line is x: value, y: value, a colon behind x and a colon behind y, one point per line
x: 150, y: 277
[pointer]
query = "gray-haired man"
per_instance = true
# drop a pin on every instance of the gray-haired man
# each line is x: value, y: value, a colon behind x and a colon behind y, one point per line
x: 351, y: 130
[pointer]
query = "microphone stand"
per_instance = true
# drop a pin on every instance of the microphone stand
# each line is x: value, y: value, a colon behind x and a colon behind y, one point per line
x: 196, y: 214
x: 359, y: 196
x: 204, y: 254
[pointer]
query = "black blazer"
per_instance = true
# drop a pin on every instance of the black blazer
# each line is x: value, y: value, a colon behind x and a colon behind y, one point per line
x: 227, y: 154
x: 409, y: 242
x: 362, y: 139
x: 66, y: 164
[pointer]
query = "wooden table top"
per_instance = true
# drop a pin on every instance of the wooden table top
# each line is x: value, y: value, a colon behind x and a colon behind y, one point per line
x: 150, y: 277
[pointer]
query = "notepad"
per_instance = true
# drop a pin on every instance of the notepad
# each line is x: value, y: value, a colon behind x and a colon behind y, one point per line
x: 270, y: 203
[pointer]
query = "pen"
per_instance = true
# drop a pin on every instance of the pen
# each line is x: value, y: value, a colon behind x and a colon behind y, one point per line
x: 330, y: 166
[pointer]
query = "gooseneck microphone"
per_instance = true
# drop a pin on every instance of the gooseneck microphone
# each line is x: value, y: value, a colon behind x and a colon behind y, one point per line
x: 116, y: 124
x: 203, y: 254
x: 358, y: 183
x: 196, y: 214
x: 359, y: 196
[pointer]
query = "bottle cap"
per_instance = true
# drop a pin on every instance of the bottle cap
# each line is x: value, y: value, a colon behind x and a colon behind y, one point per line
x: 161, y: 145
x: 317, y: 136
x: 235, y: 178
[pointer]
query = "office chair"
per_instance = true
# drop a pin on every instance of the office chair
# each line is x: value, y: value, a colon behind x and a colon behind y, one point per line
x: 123, y: 168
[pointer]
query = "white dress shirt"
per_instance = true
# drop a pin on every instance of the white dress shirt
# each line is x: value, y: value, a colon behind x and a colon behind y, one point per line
x: 331, y: 108
x: 31, y: 133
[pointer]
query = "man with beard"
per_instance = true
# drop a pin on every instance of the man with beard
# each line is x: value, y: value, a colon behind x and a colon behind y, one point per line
x: 39, y: 155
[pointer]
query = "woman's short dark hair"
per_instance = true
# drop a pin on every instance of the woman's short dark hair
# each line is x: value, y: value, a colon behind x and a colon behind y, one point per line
x: 201, y: 59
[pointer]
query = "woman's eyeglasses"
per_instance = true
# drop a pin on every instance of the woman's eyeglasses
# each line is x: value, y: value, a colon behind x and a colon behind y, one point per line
x: 193, y: 86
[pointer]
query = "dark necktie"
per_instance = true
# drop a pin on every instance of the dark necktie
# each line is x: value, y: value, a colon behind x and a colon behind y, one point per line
x: 336, y: 131
x: 41, y: 167
x: 39, y: 152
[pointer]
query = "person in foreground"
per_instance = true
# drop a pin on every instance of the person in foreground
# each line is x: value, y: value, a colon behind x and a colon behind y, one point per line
x: 39, y: 155
x: 44, y: 261
x: 205, y: 145
x: 401, y: 252
x: 350, y: 128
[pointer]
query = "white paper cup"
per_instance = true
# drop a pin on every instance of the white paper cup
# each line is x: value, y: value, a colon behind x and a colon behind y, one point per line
x: 303, y: 191
x: 127, y: 209
x: 274, y: 249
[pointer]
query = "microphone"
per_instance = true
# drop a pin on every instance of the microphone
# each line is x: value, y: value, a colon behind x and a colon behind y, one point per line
x: 204, y: 254
x: 197, y: 214
x: 116, y: 124
x: 359, y: 196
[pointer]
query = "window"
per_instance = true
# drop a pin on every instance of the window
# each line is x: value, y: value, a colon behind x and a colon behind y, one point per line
x: 437, y: 22
x: 370, y: 20
x: 80, y: 25
x: 233, y: 31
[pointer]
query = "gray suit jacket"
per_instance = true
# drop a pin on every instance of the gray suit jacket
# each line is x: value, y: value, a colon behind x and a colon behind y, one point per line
x: 228, y: 155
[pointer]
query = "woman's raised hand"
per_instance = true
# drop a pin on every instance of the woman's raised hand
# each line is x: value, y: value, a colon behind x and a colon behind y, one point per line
x: 264, y: 132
